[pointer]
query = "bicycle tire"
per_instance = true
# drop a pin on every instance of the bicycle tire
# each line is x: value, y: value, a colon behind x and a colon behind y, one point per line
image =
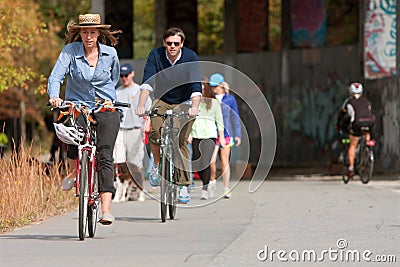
x: 83, y: 195
x: 173, y: 200
x: 367, y: 164
x: 345, y: 166
x: 163, y: 188
x: 94, y: 209
x: 172, y: 196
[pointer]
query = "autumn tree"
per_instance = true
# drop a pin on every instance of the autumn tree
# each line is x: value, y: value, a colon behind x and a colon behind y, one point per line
x: 27, y: 47
x: 31, y: 37
x: 57, y: 13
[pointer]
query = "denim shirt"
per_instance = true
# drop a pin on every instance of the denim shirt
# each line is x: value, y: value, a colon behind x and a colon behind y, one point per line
x: 80, y: 87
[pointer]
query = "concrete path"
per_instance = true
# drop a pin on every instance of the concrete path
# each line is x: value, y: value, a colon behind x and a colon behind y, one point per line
x: 298, y: 217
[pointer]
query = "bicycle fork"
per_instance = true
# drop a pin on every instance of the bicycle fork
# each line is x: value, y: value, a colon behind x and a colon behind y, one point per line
x: 91, y: 173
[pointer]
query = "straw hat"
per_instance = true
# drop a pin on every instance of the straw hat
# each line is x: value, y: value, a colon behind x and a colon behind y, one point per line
x: 90, y: 21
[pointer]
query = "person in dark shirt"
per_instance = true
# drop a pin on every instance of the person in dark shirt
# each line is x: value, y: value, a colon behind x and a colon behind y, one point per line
x: 356, y: 118
x: 172, y: 73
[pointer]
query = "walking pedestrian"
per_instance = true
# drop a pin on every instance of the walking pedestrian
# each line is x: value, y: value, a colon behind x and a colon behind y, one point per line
x: 207, y: 127
x: 232, y: 131
x: 129, y: 146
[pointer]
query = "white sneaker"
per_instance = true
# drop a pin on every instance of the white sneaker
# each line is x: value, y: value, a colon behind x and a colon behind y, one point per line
x: 107, y: 219
x: 227, y: 193
x: 204, y: 195
x: 141, y: 196
x: 183, y: 196
x: 154, y: 178
x: 212, y: 186
x: 152, y: 190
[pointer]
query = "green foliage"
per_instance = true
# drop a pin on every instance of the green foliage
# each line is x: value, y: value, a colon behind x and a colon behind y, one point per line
x: 59, y: 12
x: 143, y: 28
x: 275, y: 30
x: 210, y: 26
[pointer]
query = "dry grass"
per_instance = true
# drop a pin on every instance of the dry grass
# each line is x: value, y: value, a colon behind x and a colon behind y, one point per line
x: 29, y: 194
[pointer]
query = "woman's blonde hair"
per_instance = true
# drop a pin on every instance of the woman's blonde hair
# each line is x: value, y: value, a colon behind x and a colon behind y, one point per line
x: 106, y: 36
x: 226, y: 87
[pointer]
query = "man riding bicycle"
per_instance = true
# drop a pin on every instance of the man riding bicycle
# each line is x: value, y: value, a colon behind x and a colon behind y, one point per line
x: 356, y: 118
x: 173, y: 72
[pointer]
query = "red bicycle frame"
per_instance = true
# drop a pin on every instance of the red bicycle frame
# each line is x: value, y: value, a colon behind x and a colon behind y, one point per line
x: 91, y: 149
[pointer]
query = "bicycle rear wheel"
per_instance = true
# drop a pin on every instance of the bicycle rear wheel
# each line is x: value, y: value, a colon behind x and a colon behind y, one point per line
x: 94, y: 209
x: 83, y: 195
x: 367, y: 164
x: 345, y: 165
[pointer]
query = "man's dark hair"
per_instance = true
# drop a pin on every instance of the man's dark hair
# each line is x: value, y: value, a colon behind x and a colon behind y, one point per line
x: 174, y: 31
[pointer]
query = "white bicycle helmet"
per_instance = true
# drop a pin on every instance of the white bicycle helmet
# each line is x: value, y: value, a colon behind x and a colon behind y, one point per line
x: 68, y: 134
x: 356, y: 88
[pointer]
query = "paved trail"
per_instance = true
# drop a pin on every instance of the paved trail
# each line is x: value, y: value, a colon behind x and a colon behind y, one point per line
x: 292, y: 215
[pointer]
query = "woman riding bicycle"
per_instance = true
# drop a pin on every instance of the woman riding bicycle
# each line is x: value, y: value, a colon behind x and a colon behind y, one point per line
x: 92, y: 69
x: 356, y: 118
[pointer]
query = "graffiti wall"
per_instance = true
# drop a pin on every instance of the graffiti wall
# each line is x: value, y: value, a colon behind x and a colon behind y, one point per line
x: 380, y: 38
x: 308, y: 23
x: 313, y: 111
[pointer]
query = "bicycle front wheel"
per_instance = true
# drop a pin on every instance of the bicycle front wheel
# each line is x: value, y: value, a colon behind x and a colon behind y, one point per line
x: 83, y: 195
x: 173, y: 195
x: 367, y: 164
x: 94, y: 209
x: 164, y: 187
x: 173, y: 192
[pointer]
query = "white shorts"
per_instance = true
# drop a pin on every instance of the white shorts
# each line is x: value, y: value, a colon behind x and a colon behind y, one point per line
x: 129, y: 147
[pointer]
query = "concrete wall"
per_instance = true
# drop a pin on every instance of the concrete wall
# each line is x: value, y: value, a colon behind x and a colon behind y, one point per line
x: 306, y: 99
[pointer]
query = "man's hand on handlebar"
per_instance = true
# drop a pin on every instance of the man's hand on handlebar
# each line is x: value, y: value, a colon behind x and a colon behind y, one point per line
x: 55, y: 101
x: 140, y: 111
x: 193, y: 112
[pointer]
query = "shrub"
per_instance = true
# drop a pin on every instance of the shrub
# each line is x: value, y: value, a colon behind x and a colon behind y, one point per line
x: 29, y: 191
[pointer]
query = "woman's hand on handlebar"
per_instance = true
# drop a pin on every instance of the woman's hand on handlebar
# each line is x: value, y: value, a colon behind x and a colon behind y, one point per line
x: 55, y: 101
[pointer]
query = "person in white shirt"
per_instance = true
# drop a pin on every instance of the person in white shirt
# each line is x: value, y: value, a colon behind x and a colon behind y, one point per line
x: 129, y: 146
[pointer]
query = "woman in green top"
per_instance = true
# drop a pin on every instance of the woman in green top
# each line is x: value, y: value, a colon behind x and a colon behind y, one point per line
x: 207, y: 127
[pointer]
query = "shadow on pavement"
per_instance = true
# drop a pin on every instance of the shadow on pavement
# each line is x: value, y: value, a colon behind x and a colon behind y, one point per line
x: 40, y: 237
x: 137, y: 219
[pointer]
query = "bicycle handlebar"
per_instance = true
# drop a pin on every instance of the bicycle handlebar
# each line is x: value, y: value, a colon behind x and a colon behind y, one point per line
x: 99, y: 105
x: 168, y: 113
x: 121, y: 104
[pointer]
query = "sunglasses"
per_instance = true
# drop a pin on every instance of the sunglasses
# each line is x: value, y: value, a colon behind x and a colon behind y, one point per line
x: 123, y: 75
x: 175, y: 43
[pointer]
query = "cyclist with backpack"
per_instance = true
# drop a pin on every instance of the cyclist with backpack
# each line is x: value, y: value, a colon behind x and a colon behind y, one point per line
x: 355, y: 118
